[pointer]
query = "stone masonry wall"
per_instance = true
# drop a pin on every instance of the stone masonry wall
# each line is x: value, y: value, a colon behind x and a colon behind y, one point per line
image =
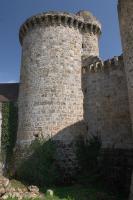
x: 90, y: 45
x: 50, y: 90
x: 125, y: 11
x: 0, y: 136
x: 106, y: 107
x: 0, y: 121
x: 50, y: 96
x: 90, y: 41
x: 50, y: 87
x: 117, y: 165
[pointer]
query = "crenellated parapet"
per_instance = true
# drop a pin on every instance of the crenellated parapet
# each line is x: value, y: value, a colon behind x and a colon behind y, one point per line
x: 60, y: 18
x: 100, y: 65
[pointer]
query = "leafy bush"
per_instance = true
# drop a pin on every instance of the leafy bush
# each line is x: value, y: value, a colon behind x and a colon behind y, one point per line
x: 40, y: 167
x: 9, y: 130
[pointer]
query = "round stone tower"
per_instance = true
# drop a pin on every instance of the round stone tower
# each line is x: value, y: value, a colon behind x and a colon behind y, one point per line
x: 125, y: 11
x: 50, y: 96
x: 90, y: 55
x: 90, y: 43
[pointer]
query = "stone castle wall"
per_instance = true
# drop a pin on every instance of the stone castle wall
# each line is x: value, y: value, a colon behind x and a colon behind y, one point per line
x: 125, y: 11
x: 106, y: 107
x: 50, y: 97
x: 0, y: 136
x: 50, y: 86
x: 66, y: 90
x: 0, y: 121
x: 90, y: 39
x: 50, y: 89
x: 90, y: 45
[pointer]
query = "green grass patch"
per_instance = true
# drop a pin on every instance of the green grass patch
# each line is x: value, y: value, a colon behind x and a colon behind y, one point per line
x: 78, y: 192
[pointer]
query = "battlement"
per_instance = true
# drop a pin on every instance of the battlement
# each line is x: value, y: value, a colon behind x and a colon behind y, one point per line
x: 88, y: 17
x: 100, y: 66
x: 61, y: 18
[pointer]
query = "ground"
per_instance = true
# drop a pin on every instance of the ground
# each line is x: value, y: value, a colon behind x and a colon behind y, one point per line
x: 75, y: 192
x: 79, y: 192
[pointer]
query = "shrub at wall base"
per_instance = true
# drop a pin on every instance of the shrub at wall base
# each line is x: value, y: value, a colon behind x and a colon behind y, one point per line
x: 9, y: 131
x: 40, y: 168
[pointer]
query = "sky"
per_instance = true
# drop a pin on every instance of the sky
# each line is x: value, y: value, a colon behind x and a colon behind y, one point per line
x: 14, y: 12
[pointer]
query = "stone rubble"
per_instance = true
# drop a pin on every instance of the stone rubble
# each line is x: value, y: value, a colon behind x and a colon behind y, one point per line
x: 7, y: 190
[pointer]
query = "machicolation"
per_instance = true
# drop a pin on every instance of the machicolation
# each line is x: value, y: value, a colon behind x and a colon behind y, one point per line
x: 84, y: 22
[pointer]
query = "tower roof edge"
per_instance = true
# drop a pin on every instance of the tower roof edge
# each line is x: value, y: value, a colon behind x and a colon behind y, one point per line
x: 57, y: 18
x: 88, y: 17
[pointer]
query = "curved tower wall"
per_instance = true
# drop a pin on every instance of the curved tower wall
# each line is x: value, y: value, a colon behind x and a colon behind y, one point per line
x: 90, y: 45
x: 125, y: 11
x: 90, y: 39
x: 106, y: 103
x: 50, y: 97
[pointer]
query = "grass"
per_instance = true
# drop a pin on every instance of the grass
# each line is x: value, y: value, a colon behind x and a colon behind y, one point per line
x: 78, y: 192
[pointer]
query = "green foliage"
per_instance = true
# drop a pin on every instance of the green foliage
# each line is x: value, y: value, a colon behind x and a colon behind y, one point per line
x: 40, y: 167
x: 57, y: 198
x: 79, y: 192
x: 9, y: 129
x: 10, y: 198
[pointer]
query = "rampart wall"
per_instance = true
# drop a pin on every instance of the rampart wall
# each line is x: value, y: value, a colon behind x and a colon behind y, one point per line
x: 106, y: 106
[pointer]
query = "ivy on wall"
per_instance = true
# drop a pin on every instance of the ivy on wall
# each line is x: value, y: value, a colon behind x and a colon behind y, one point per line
x: 9, y: 129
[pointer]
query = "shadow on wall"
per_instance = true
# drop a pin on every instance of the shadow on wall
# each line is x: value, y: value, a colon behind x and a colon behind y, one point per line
x: 106, y: 104
x: 53, y: 161
x: 49, y: 161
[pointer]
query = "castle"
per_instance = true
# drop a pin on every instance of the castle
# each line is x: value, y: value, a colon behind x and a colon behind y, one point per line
x: 66, y: 90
